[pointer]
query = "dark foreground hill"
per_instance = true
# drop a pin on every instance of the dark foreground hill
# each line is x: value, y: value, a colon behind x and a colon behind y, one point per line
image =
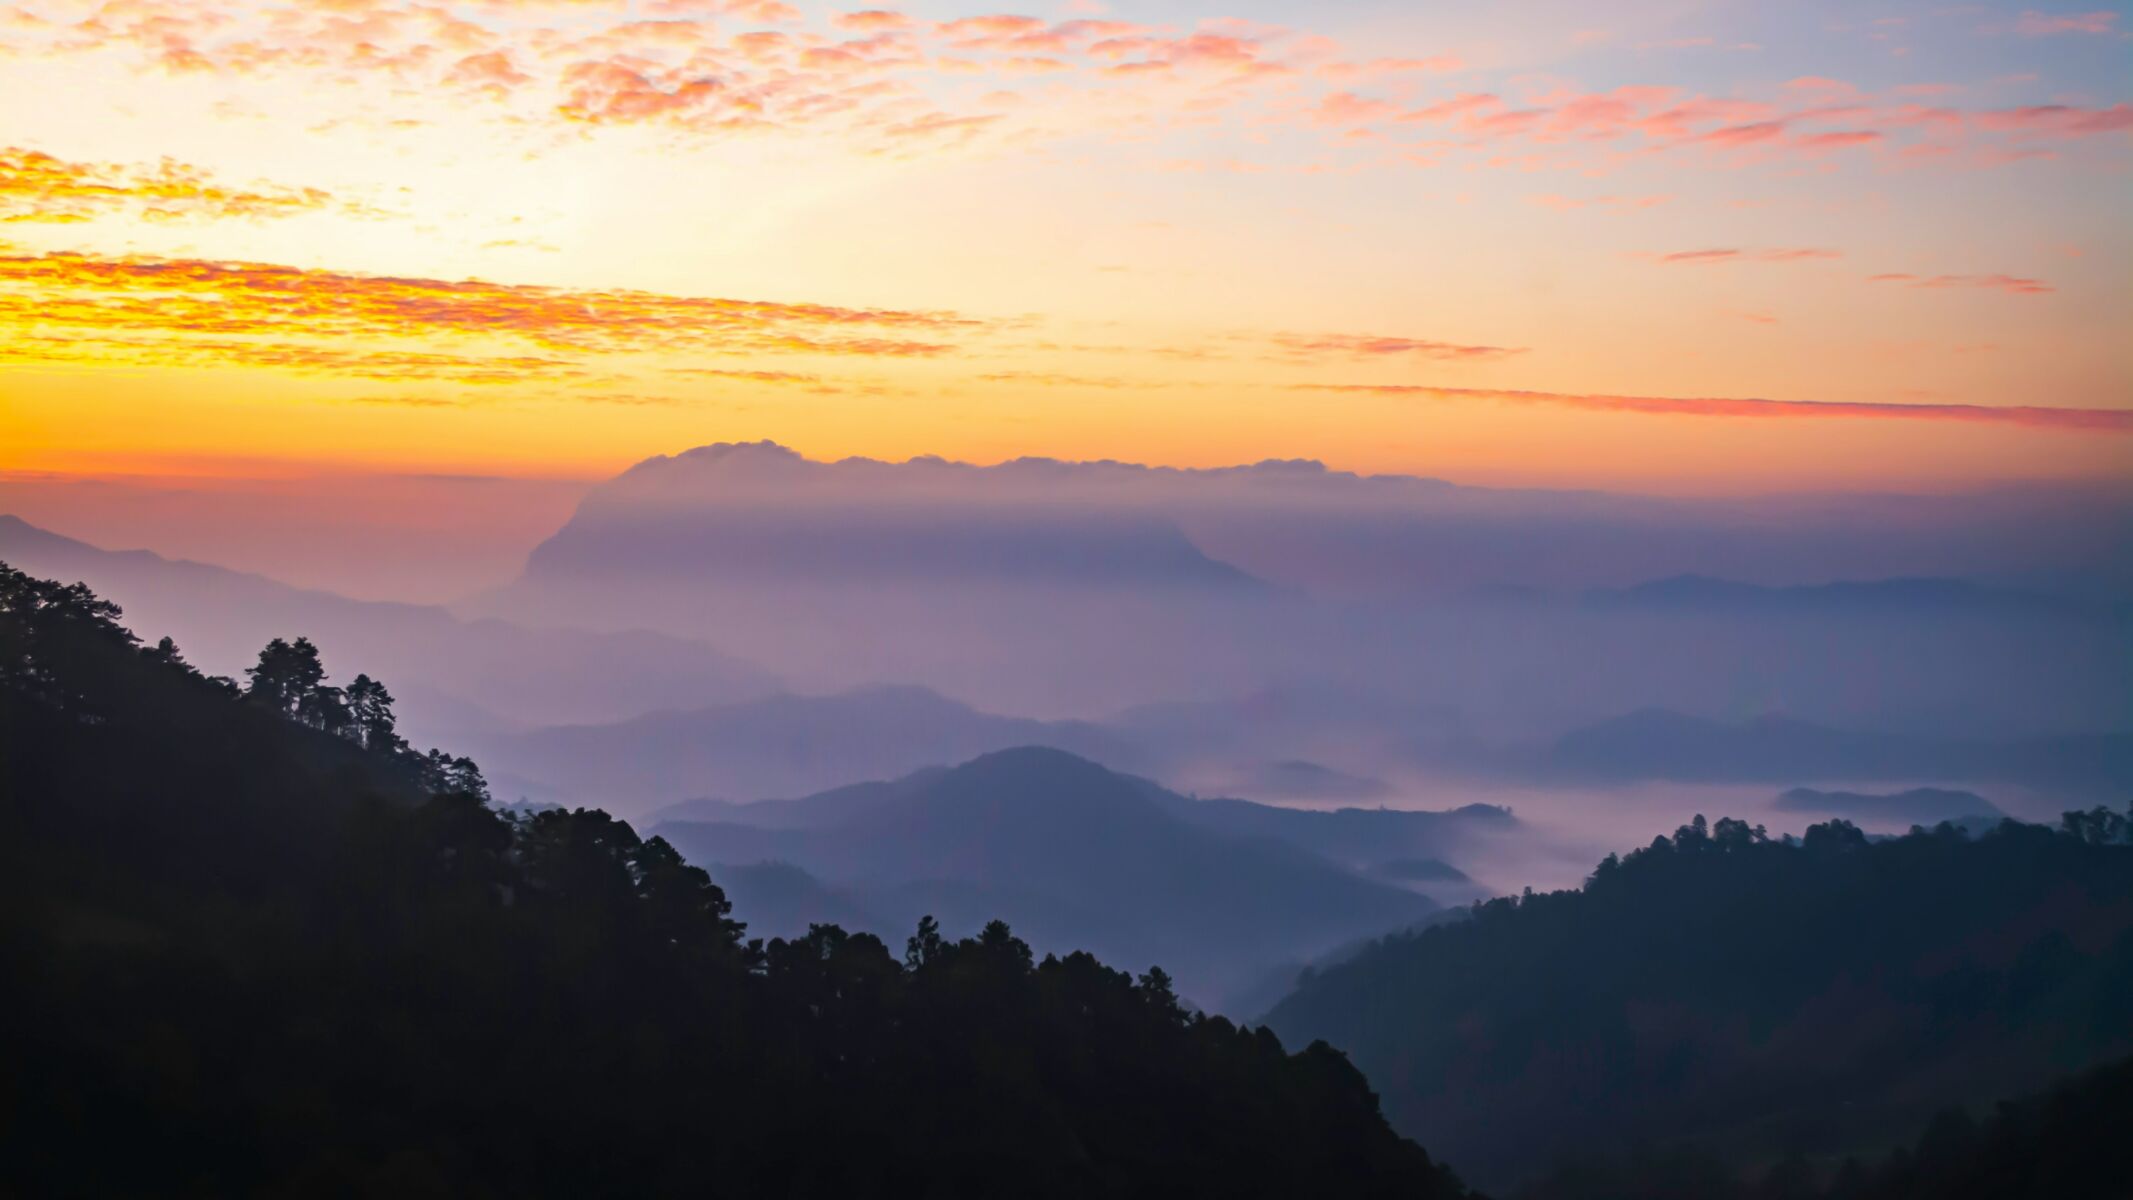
x: 254, y: 945
x: 1743, y: 999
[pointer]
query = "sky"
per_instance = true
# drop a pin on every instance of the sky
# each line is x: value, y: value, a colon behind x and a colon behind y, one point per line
x: 264, y: 250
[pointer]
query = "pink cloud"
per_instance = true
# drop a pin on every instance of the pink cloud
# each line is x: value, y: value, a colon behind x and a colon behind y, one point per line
x: 2059, y: 119
x: 2011, y: 284
x: 2037, y: 24
x: 873, y: 20
x: 1711, y: 257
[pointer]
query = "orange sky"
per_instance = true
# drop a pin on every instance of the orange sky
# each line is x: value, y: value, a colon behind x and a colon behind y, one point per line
x: 1690, y: 248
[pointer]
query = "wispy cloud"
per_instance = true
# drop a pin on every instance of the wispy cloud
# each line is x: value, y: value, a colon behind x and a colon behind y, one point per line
x: 2043, y: 24
x: 2012, y: 284
x: 37, y: 187
x: 1781, y: 254
x: 62, y: 305
x: 2035, y: 416
x: 1368, y: 346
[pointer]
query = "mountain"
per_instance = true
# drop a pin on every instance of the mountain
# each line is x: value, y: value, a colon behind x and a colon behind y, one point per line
x: 1657, y: 744
x: 471, y: 676
x: 692, y: 515
x: 2062, y: 1143
x: 1717, y: 992
x: 1361, y: 838
x: 775, y: 746
x: 1301, y: 779
x: 1911, y: 599
x: 266, y: 960
x: 1916, y: 806
x: 1073, y: 855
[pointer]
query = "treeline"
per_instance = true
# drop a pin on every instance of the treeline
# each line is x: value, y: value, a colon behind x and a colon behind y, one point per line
x: 2061, y: 1145
x: 255, y: 945
x: 1724, y: 997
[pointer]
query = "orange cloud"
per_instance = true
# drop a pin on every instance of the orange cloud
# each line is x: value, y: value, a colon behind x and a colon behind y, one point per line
x: 1366, y: 346
x: 873, y: 20
x: 2092, y: 419
x: 36, y: 187
x: 65, y: 306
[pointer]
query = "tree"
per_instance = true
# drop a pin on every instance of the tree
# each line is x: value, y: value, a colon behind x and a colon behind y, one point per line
x: 370, y: 713
x: 287, y: 672
x: 324, y: 708
x: 925, y: 945
x: 442, y: 774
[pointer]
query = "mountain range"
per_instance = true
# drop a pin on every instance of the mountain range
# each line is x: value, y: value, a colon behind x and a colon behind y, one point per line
x: 1073, y: 855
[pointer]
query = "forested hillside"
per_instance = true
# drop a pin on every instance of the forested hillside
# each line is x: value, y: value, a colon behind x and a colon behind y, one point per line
x: 254, y: 944
x: 1746, y: 999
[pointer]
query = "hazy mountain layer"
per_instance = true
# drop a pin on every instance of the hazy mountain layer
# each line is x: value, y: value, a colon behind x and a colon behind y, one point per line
x: 455, y: 676
x: 1073, y: 855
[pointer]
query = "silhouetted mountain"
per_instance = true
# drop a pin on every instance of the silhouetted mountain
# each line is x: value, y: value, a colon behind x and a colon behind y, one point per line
x: 249, y: 957
x: 1075, y: 856
x: 1656, y: 744
x: 1741, y: 998
x: 1917, y: 806
x: 2064, y: 1143
x: 776, y: 746
x: 450, y: 669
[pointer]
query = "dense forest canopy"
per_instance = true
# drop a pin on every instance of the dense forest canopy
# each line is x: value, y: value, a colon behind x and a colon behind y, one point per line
x: 255, y: 943
x: 1746, y: 999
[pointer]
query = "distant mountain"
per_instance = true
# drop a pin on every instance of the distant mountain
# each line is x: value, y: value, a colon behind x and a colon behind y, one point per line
x: 1658, y: 744
x: 777, y: 746
x: 1362, y: 838
x: 698, y: 515
x: 1917, y: 806
x: 1910, y: 598
x: 1742, y: 999
x: 1072, y: 854
x: 1420, y: 870
x: 1080, y: 589
x: 1299, y: 779
x: 461, y: 676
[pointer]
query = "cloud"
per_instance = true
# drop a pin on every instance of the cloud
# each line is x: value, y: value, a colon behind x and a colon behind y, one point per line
x: 65, y: 305
x: 2058, y: 120
x: 1367, y: 346
x: 725, y: 68
x: 873, y: 20
x: 2011, y: 284
x: 1558, y: 203
x: 2038, y: 24
x: 2033, y: 416
x: 36, y: 187
x: 1712, y: 257
x: 1061, y: 380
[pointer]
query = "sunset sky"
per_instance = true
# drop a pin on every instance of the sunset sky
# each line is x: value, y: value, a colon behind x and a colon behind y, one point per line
x: 1685, y: 247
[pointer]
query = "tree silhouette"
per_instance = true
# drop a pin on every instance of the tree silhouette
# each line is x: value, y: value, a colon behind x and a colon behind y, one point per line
x: 370, y: 713
x: 287, y: 674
